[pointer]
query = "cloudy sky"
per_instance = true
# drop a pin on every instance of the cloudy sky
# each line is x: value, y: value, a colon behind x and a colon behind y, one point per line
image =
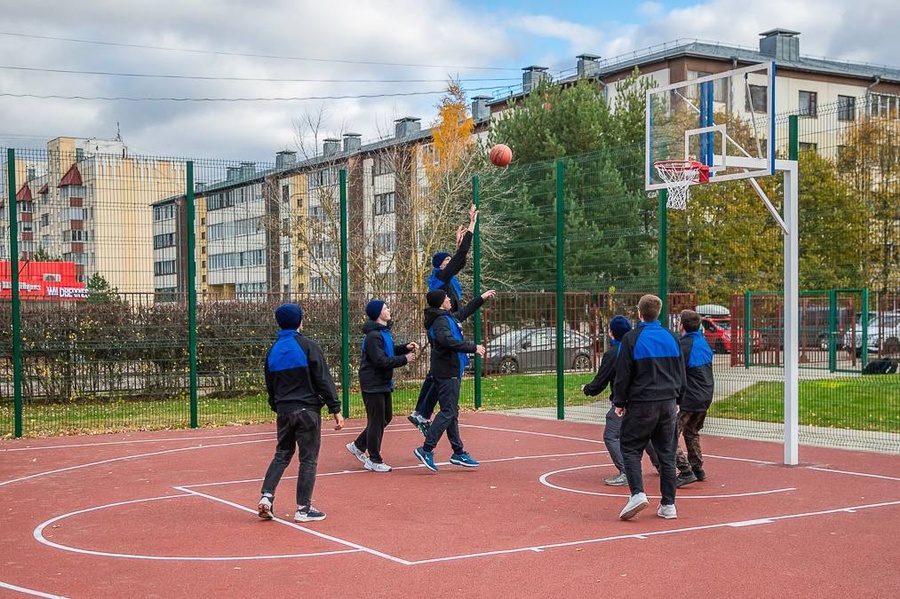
x: 242, y: 79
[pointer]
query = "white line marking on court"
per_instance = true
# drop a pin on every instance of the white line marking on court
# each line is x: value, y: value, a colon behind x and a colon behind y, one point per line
x: 125, y: 458
x: 543, y: 480
x: 39, y: 536
x: 752, y: 522
x: 12, y: 587
x: 863, y: 474
x: 536, y: 433
x: 356, y: 547
x: 136, y: 441
x: 646, y: 535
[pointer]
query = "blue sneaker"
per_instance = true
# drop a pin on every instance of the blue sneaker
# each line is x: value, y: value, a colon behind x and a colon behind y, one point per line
x: 463, y: 459
x: 426, y: 457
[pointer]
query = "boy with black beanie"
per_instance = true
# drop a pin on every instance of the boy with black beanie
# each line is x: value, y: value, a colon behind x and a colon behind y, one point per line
x: 380, y: 355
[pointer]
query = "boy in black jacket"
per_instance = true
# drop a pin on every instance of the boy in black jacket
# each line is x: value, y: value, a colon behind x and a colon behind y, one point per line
x: 448, y: 361
x: 443, y: 277
x: 298, y: 384
x: 698, y: 395
x: 380, y: 355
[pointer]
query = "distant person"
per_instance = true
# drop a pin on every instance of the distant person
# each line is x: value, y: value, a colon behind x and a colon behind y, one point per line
x: 298, y: 385
x: 449, y: 359
x: 443, y: 276
x: 648, y: 384
x: 606, y: 373
x: 698, y: 395
x: 380, y: 355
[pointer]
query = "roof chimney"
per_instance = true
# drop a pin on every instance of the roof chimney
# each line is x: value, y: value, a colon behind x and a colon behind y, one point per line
x: 480, y: 110
x: 285, y: 158
x: 248, y: 169
x: 532, y: 76
x: 780, y: 44
x: 406, y: 126
x: 352, y: 142
x: 331, y: 146
x: 588, y: 65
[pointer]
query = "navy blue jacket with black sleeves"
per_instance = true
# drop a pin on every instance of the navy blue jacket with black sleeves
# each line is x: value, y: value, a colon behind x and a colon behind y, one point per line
x: 606, y: 373
x: 698, y: 369
x: 297, y: 375
x: 380, y: 355
x: 446, y: 279
x: 448, y: 347
x: 649, y: 367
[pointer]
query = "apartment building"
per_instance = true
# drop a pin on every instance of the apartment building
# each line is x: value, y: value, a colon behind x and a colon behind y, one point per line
x: 86, y: 201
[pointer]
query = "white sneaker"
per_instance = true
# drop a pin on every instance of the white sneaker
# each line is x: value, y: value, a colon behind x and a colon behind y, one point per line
x: 264, y: 508
x: 360, y: 455
x: 619, y: 480
x: 667, y: 511
x: 635, y: 504
x: 376, y: 466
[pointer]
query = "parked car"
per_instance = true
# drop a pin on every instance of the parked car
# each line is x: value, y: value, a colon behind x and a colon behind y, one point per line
x: 882, y: 334
x: 717, y: 332
x: 534, y: 350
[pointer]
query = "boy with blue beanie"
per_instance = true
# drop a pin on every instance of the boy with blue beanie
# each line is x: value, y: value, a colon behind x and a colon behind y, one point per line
x: 698, y: 395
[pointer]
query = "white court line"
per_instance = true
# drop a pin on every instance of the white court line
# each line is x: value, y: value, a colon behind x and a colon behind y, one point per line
x: 133, y: 442
x: 124, y: 458
x: 356, y: 547
x: 645, y: 535
x: 543, y: 480
x: 833, y: 471
x: 12, y: 587
x: 39, y: 536
x: 361, y: 470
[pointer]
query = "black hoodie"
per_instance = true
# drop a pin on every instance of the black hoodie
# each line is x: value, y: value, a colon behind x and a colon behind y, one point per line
x: 445, y: 347
x: 376, y: 369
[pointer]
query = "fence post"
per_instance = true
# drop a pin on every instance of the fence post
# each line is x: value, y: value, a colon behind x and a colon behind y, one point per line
x: 192, y: 291
x: 560, y: 291
x: 15, y: 306
x: 345, y: 301
x: 476, y: 284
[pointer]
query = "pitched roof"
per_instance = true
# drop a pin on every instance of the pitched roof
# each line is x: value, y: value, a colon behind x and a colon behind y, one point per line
x: 72, y: 177
x: 24, y: 194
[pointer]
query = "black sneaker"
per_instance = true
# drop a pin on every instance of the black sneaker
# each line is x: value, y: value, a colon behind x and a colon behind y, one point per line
x: 700, y: 474
x: 685, y: 478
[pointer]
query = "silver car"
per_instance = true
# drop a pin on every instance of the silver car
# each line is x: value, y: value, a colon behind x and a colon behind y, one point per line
x: 534, y: 350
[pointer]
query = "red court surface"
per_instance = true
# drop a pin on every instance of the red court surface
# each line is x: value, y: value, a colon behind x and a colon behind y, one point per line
x: 172, y: 514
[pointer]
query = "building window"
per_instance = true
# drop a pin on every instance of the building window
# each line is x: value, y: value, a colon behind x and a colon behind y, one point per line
x: 384, y: 203
x: 164, y: 212
x: 164, y: 267
x: 756, y: 101
x: 285, y: 194
x: 720, y: 90
x: 885, y: 106
x: 808, y: 147
x: 163, y: 241
x: 386, y: 242
x: 808, y: 103
x: 846, y: 108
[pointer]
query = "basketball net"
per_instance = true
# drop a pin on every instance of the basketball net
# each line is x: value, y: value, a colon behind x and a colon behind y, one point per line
x: 678, y: 176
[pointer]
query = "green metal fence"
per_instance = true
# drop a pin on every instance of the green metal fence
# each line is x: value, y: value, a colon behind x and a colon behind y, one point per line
x: 178, y: 264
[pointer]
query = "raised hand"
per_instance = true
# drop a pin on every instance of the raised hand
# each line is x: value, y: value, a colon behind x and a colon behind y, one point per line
x: 488, y: 294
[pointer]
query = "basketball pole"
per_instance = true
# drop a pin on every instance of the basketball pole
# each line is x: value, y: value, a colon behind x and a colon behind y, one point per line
x: 791, y: 312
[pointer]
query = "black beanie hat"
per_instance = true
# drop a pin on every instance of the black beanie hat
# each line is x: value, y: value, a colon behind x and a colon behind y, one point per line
x: 619, y: 325
x: 438, y: 258
x: 436, y: 298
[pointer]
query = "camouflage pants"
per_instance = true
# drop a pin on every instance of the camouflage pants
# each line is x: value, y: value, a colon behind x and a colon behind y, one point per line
x: 689, y: 425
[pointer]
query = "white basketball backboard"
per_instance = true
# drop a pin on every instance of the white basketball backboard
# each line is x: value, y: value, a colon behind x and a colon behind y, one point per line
x: 722, y: 120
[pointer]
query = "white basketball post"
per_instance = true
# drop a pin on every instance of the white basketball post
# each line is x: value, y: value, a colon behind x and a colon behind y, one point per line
x: 791, y: 312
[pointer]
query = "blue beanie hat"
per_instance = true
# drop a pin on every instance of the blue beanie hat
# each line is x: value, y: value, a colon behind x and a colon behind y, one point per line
x: 289, y: 316
x: 373, y: 309
x: 438, y: 258
x: 619, y: 325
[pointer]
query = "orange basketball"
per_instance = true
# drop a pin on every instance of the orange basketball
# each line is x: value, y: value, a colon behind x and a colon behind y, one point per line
x: 501, y: 155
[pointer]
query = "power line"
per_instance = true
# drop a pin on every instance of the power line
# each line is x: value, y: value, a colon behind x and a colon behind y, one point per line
x: 248, y: 55
x: 265, y: 79
x: 259, y: 99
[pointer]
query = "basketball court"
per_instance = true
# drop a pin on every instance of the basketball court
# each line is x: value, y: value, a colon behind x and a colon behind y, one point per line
x: 174, y: 514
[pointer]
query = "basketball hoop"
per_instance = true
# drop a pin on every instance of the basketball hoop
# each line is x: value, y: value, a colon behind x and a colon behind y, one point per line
x: 678, y: 176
